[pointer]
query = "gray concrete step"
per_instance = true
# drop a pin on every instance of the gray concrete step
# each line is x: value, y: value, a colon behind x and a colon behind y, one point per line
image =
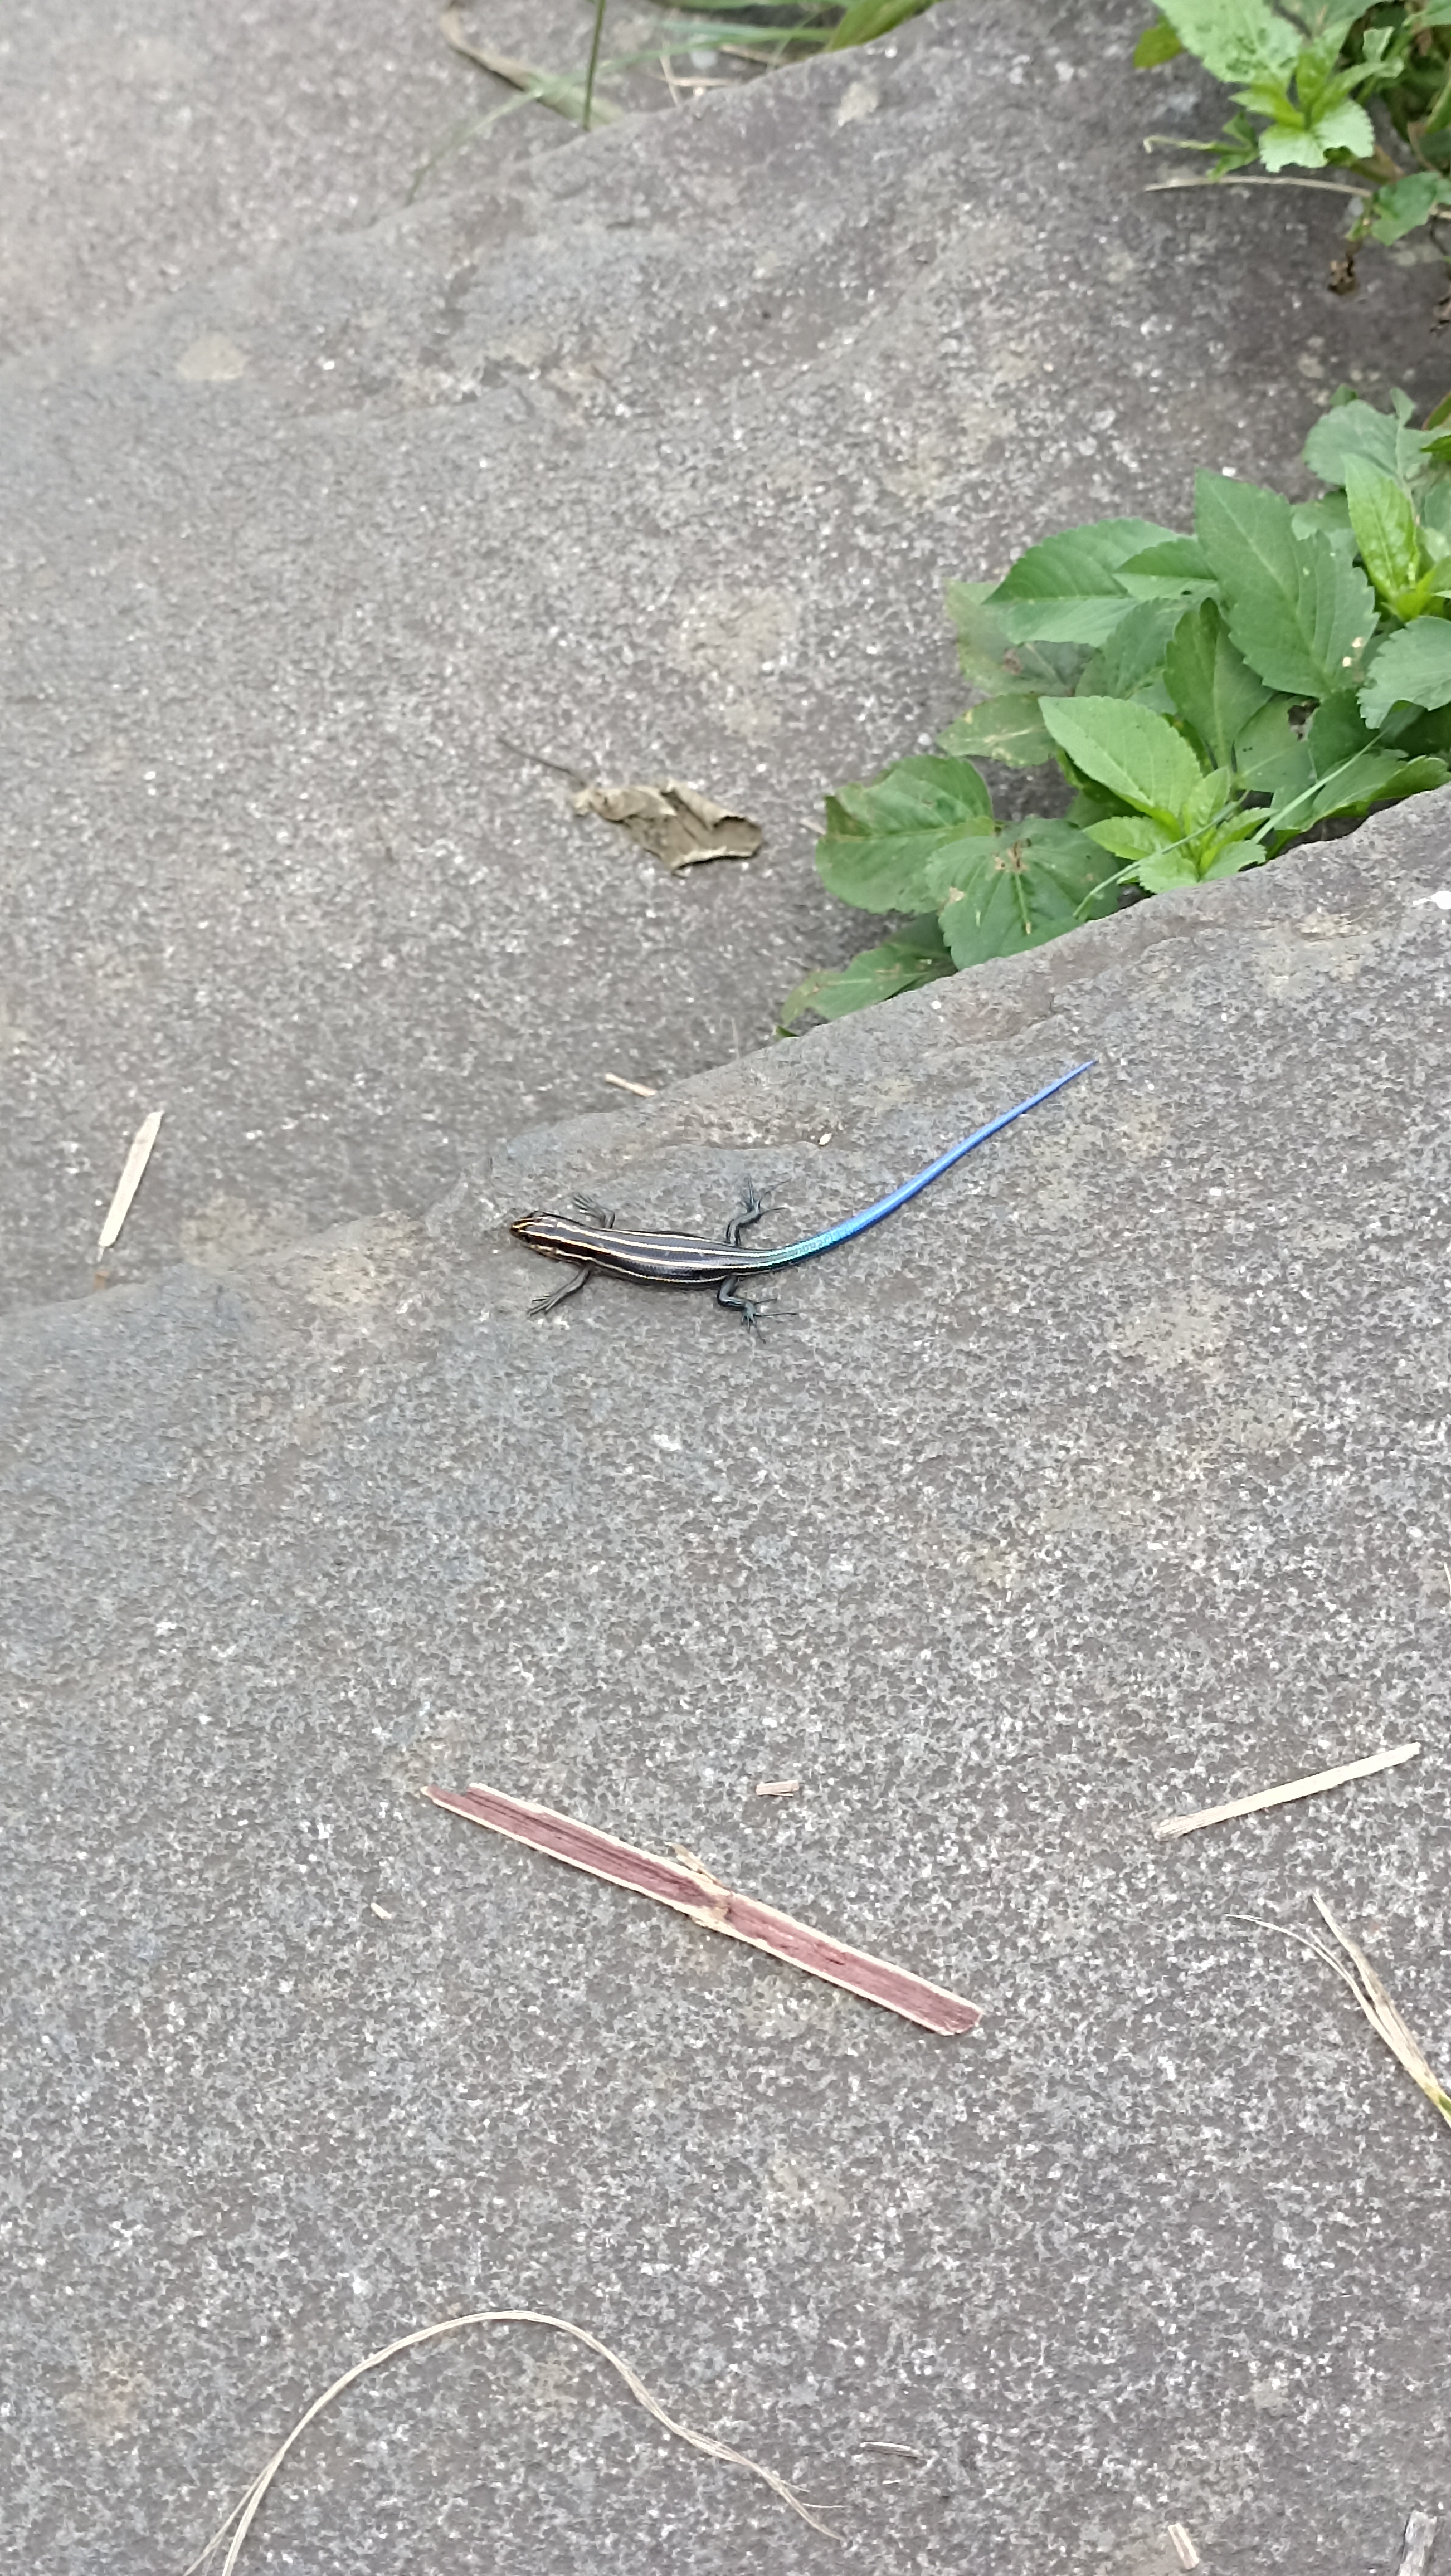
x: 654, y: 460
x: 143, y: 150
x: 1107, y: 1481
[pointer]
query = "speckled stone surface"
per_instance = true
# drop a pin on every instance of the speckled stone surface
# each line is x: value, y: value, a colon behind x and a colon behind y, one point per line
x: 1108, y: 1481
x: 652, y: 457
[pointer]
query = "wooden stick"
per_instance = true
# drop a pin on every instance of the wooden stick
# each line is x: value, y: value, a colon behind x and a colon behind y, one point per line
x: 1293, y: 1789
x: 688, y: 1886
x: 130, y: 1180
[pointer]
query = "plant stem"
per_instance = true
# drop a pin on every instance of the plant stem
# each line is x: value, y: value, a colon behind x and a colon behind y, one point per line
x: 594, y: 56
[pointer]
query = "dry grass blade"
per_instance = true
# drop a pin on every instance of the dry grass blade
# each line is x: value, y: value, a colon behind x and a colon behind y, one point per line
x: 130, y: 1181
x: 1384, y: 2017
x: 244, y: 2512
x: 1289, y: 1790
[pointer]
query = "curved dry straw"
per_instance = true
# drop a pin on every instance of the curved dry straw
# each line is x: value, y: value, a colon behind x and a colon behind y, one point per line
x: 1384, y: 2017
x: 249, y: 2505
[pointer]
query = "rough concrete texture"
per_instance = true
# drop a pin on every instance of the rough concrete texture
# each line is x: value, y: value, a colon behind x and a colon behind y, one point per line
x: 143, y: 149
x: 1109, y: 1480
x: 653, y: 458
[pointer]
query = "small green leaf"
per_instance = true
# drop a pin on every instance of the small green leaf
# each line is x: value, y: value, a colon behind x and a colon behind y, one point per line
x: 991, y: 661
x: 1131, y: 836
x: 1397, y: 209
x: 1346, y: 128
x: 1029, y: 883
x: 1008, y: 729
x: 1210, y: 683
x: 1356, y: 428
x: 1385, y: 526
x: 1299, y: 613
x: 1207, y: 805
x: 1064, y: 590
x: 1136, y: 754
x: 880, y: 840
x: 916, y: 955
x: 1157, y: 44
x: 1411, y: 668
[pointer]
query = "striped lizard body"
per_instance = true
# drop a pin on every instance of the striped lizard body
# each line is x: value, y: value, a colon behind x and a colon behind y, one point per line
x: 593, y: 1241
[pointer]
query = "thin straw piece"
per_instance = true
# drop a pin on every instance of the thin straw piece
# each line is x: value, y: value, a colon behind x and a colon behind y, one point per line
x: 250, y: 2504
x: 130, y: 1180
x: 1384, y: 2017
x: 1293, y: 1789
x: 690, y: 1888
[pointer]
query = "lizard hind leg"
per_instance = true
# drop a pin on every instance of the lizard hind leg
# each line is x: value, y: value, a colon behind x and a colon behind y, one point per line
x: 593, y: 1208
x: 752, y: 1208
x: 746, y: 1307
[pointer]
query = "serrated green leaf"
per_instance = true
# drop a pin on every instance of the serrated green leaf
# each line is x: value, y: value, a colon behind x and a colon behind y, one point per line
x: 991, y: 661
x: 1398, y: 208
x: 1209, y: 802
x: 1157, y: 44
x: 1269, y: 757
x: 1235, y: 39
x: 1367, y: 778
x: 1411, y: 668
x: 1131, y: 836
x: 1030, y: 883
x: 1131, y: 663
x: 1356, y: 428
x: 1064, y: 589
x: 881, y: 839
x: 1136, y: 754
x: 1299, y: 613
x: 1179, y: 570
x: 1210, y: 682
x: 1345, y: 128
x: 1385, y: 526
x: 1009, y: 729
x: 914, y: 956
x: 1330, y: 517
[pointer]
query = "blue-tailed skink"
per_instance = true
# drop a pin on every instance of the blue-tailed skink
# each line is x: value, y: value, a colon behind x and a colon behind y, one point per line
x: 689, y: 1261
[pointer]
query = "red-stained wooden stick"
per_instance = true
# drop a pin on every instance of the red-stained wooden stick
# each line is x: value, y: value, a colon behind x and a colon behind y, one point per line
x: 693, y: 1891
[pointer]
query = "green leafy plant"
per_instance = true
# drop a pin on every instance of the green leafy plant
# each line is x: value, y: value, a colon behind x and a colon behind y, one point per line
x: 1208, y: 698
x: 1302, y: 79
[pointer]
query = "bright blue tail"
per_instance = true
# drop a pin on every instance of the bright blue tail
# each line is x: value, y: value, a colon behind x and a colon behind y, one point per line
x: 853, y: 1225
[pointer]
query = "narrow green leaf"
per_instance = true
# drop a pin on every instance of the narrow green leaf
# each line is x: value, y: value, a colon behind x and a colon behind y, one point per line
x: 1384, y: 524
x: 880, y: 840
x: 1064, y: 590
x: 1411, y: 668
x: 1300, y: 614
x: 1211, y: 683
x: 1029, y: 883
x: 1136, y: 754
x: 914, y: 956
x: 1009, y: 729
x: 865, y: 20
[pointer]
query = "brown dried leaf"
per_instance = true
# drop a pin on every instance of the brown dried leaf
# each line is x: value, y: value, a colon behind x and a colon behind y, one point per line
x: 677, y: 824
